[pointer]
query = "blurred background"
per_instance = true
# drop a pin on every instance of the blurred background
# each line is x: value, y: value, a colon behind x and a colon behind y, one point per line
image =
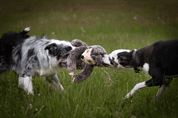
x: 112, y: 23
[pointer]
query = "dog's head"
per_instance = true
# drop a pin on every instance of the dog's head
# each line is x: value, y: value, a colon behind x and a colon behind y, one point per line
x: 112, y: 59
x: 59, y: 49
x: 129, y: 60
x: 94, y: 56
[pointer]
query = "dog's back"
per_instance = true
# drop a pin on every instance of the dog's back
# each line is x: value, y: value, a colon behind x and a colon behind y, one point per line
x: 7, y: 42
x: 165, y: 55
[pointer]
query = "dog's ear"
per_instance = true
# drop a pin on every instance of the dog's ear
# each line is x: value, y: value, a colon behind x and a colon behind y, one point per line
x: 124, y: 58
x: 68, y: 48
x: 52, y: 49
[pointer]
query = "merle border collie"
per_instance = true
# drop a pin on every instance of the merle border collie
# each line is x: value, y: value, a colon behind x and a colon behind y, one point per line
x: 29, y: 56
x: 159, y: 60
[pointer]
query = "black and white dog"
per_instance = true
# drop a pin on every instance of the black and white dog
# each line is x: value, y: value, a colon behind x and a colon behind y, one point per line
x: 158, y: 59
x: 29, y: 56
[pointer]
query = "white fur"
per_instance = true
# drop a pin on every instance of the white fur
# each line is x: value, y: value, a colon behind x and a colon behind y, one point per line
x: 106, y: 59
x: 136, y: 88
x: 146, y: 67
x: 26, y: 83
x: 62, y: 42
x: 114, y: 55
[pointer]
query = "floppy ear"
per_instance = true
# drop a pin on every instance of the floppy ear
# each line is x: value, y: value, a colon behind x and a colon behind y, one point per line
x: 74, y: 58
x: 52, y: 49
x: 123, y: 59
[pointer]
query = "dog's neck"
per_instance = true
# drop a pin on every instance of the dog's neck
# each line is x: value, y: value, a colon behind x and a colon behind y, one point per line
x: 135, y: 61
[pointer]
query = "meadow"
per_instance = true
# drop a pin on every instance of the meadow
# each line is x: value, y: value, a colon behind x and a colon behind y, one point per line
x: 112, y: 24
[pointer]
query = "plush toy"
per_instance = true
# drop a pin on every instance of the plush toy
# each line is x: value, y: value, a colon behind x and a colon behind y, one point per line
x: 86, y: 58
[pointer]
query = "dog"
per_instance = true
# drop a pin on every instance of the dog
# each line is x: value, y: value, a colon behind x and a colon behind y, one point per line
x: 159, y: 60
x: 30, y: 56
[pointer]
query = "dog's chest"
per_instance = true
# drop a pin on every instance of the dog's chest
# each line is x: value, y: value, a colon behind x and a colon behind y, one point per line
x: 146, y: 67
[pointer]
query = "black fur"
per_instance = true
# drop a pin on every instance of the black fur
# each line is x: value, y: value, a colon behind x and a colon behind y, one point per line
x: 59, y: 51
x: 7, y: 42
x: 162, y: 58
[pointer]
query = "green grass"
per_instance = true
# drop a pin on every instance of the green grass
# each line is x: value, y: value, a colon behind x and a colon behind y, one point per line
x: 111, y: 24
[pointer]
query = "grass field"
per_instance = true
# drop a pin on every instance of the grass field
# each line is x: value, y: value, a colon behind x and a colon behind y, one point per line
x: 111, y: 24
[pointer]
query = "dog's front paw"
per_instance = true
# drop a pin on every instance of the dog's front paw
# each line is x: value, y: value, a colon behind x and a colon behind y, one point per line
x: 30, y: 92
x: 128, y: 95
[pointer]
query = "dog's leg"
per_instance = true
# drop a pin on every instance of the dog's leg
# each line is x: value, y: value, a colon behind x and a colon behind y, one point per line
x: 136, y: 88
x: 160, y: 92
x: 25, y: 82
x: 163, y: 88
x: 55, y: 81
x: 155, y: 81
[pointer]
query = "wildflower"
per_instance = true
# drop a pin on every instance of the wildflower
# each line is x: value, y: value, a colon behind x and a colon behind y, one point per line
x: 30, y: 106
x: 74, y: 15
x: 135, y: 18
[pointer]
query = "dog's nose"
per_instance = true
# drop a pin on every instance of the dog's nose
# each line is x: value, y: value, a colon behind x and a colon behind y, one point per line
x: 82, y: 57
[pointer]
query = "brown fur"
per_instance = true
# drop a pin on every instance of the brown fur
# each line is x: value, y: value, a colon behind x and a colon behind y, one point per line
x: 74, y: 60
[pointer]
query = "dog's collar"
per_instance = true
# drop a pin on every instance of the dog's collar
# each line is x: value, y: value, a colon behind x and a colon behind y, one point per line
x: 137, y: 70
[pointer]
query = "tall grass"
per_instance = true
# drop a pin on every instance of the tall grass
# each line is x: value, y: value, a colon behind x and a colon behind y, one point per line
x: 111, y: 24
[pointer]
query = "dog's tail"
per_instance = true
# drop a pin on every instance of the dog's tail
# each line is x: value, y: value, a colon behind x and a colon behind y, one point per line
x: 25, y: 31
